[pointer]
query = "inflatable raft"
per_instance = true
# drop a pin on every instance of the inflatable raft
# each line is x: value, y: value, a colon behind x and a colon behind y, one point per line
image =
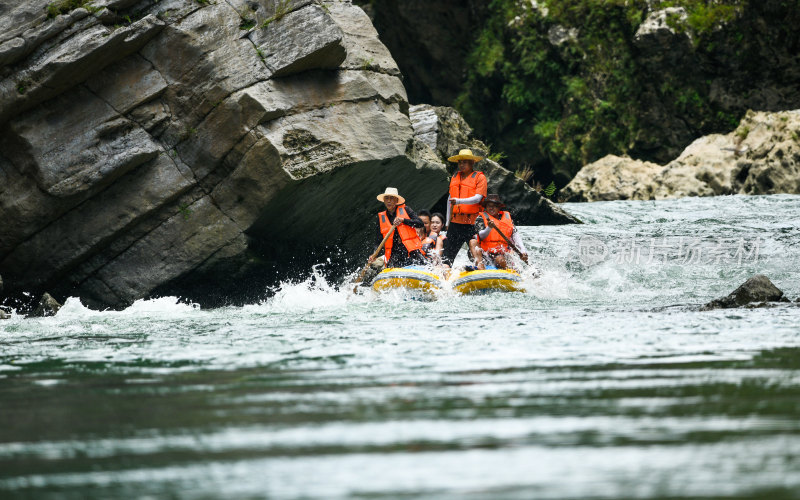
x: 418, y: 278
x: 415, y: 278
x: 488, y: 280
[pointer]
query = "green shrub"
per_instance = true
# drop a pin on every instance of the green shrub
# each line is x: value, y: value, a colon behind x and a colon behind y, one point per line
x: 564, y: 106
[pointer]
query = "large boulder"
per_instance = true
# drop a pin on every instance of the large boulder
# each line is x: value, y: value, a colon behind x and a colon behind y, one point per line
x: 756, y: 290
x: 612, y: 178
x: 762, y: 156
x: 445, y: 131
x: 148, y: 143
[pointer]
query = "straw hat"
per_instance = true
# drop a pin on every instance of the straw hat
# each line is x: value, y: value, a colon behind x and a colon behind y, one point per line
x: 391, y: 192
x: 493, y: 198
x: 465, y: 154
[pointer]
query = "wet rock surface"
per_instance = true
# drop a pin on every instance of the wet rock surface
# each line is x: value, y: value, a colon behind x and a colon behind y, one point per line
x: 48, y: 306
x: 756, y: 290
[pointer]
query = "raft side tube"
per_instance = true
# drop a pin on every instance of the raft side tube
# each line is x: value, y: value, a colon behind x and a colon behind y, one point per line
x: 412, y: 277
x: 501, y: 280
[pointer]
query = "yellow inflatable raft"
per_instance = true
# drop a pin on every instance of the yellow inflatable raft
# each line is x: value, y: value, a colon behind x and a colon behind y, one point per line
x: 488, y: 280
x: 414, y: 278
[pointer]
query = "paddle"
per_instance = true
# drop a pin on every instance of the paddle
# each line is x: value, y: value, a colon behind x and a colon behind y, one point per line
x: 510, y: 243
x: 373, y: 256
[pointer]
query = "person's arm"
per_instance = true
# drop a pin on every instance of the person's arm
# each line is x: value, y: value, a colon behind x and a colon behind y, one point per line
x: 413, y: 220
x: 517, y: 240
x: 481, y: 229
x: 449, y: 212
x: 472, y: 200
x: 440, y: 245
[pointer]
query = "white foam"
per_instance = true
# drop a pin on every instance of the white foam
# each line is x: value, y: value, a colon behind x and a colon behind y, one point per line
x: 73, y: 308
x: 312, y: 294
x: 159, y: 305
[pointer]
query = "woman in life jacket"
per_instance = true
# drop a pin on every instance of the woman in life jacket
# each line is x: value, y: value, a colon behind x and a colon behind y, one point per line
x: 488, y: 246
x: 404, y: 247
x: 433, y: 242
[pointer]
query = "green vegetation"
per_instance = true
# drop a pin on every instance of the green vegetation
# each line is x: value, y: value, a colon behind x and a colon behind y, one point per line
x: 183, y: 208
x: 550, y: 189
x: 558, y: 103
x: 525, y: 173
x: 742, y: 133
x: 497, y: 157
x: 66, y: 6
x: 281, y: 9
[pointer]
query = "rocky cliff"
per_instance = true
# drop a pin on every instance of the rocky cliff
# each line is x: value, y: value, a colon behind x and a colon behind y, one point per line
x: 762, y: 156
x: 146, y: 143
x: 192, y: 147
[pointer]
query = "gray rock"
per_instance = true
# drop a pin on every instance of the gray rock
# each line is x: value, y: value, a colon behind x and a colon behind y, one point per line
x: 445, y: 131
x: 48, y: 306
x: 757, y: 289
x: 364, y: 50
x: 167, y: 155
x: 762, y: 156
x: 613, y: 178
x: 657, y: 28
x: 301, y: 40
x: 65, y: 65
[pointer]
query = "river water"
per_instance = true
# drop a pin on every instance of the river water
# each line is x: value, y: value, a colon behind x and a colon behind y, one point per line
x: 605, y: 380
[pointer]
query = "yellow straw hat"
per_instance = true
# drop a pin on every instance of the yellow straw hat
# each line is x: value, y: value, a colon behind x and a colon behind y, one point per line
x: 465, y: 154
x: 391, y: 192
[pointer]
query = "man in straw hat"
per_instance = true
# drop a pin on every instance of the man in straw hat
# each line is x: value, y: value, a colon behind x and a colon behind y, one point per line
x: 467, y: 190
x: 404, y: 247
x: 489, y: 245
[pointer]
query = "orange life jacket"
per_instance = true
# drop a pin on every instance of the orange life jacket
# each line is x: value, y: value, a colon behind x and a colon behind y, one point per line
x: 408, y: 235
x: 465, y: 188
x: 495, y: 242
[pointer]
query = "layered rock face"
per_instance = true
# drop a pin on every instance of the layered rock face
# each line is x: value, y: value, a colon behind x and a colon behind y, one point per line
x: 146, y: 142
x: 762, y: 156
x: 445, y: 131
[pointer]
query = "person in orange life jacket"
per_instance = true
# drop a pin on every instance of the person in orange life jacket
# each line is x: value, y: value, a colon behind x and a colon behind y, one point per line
x: 467, y: 190
x: 488, y: 245
x: 404, y: 247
